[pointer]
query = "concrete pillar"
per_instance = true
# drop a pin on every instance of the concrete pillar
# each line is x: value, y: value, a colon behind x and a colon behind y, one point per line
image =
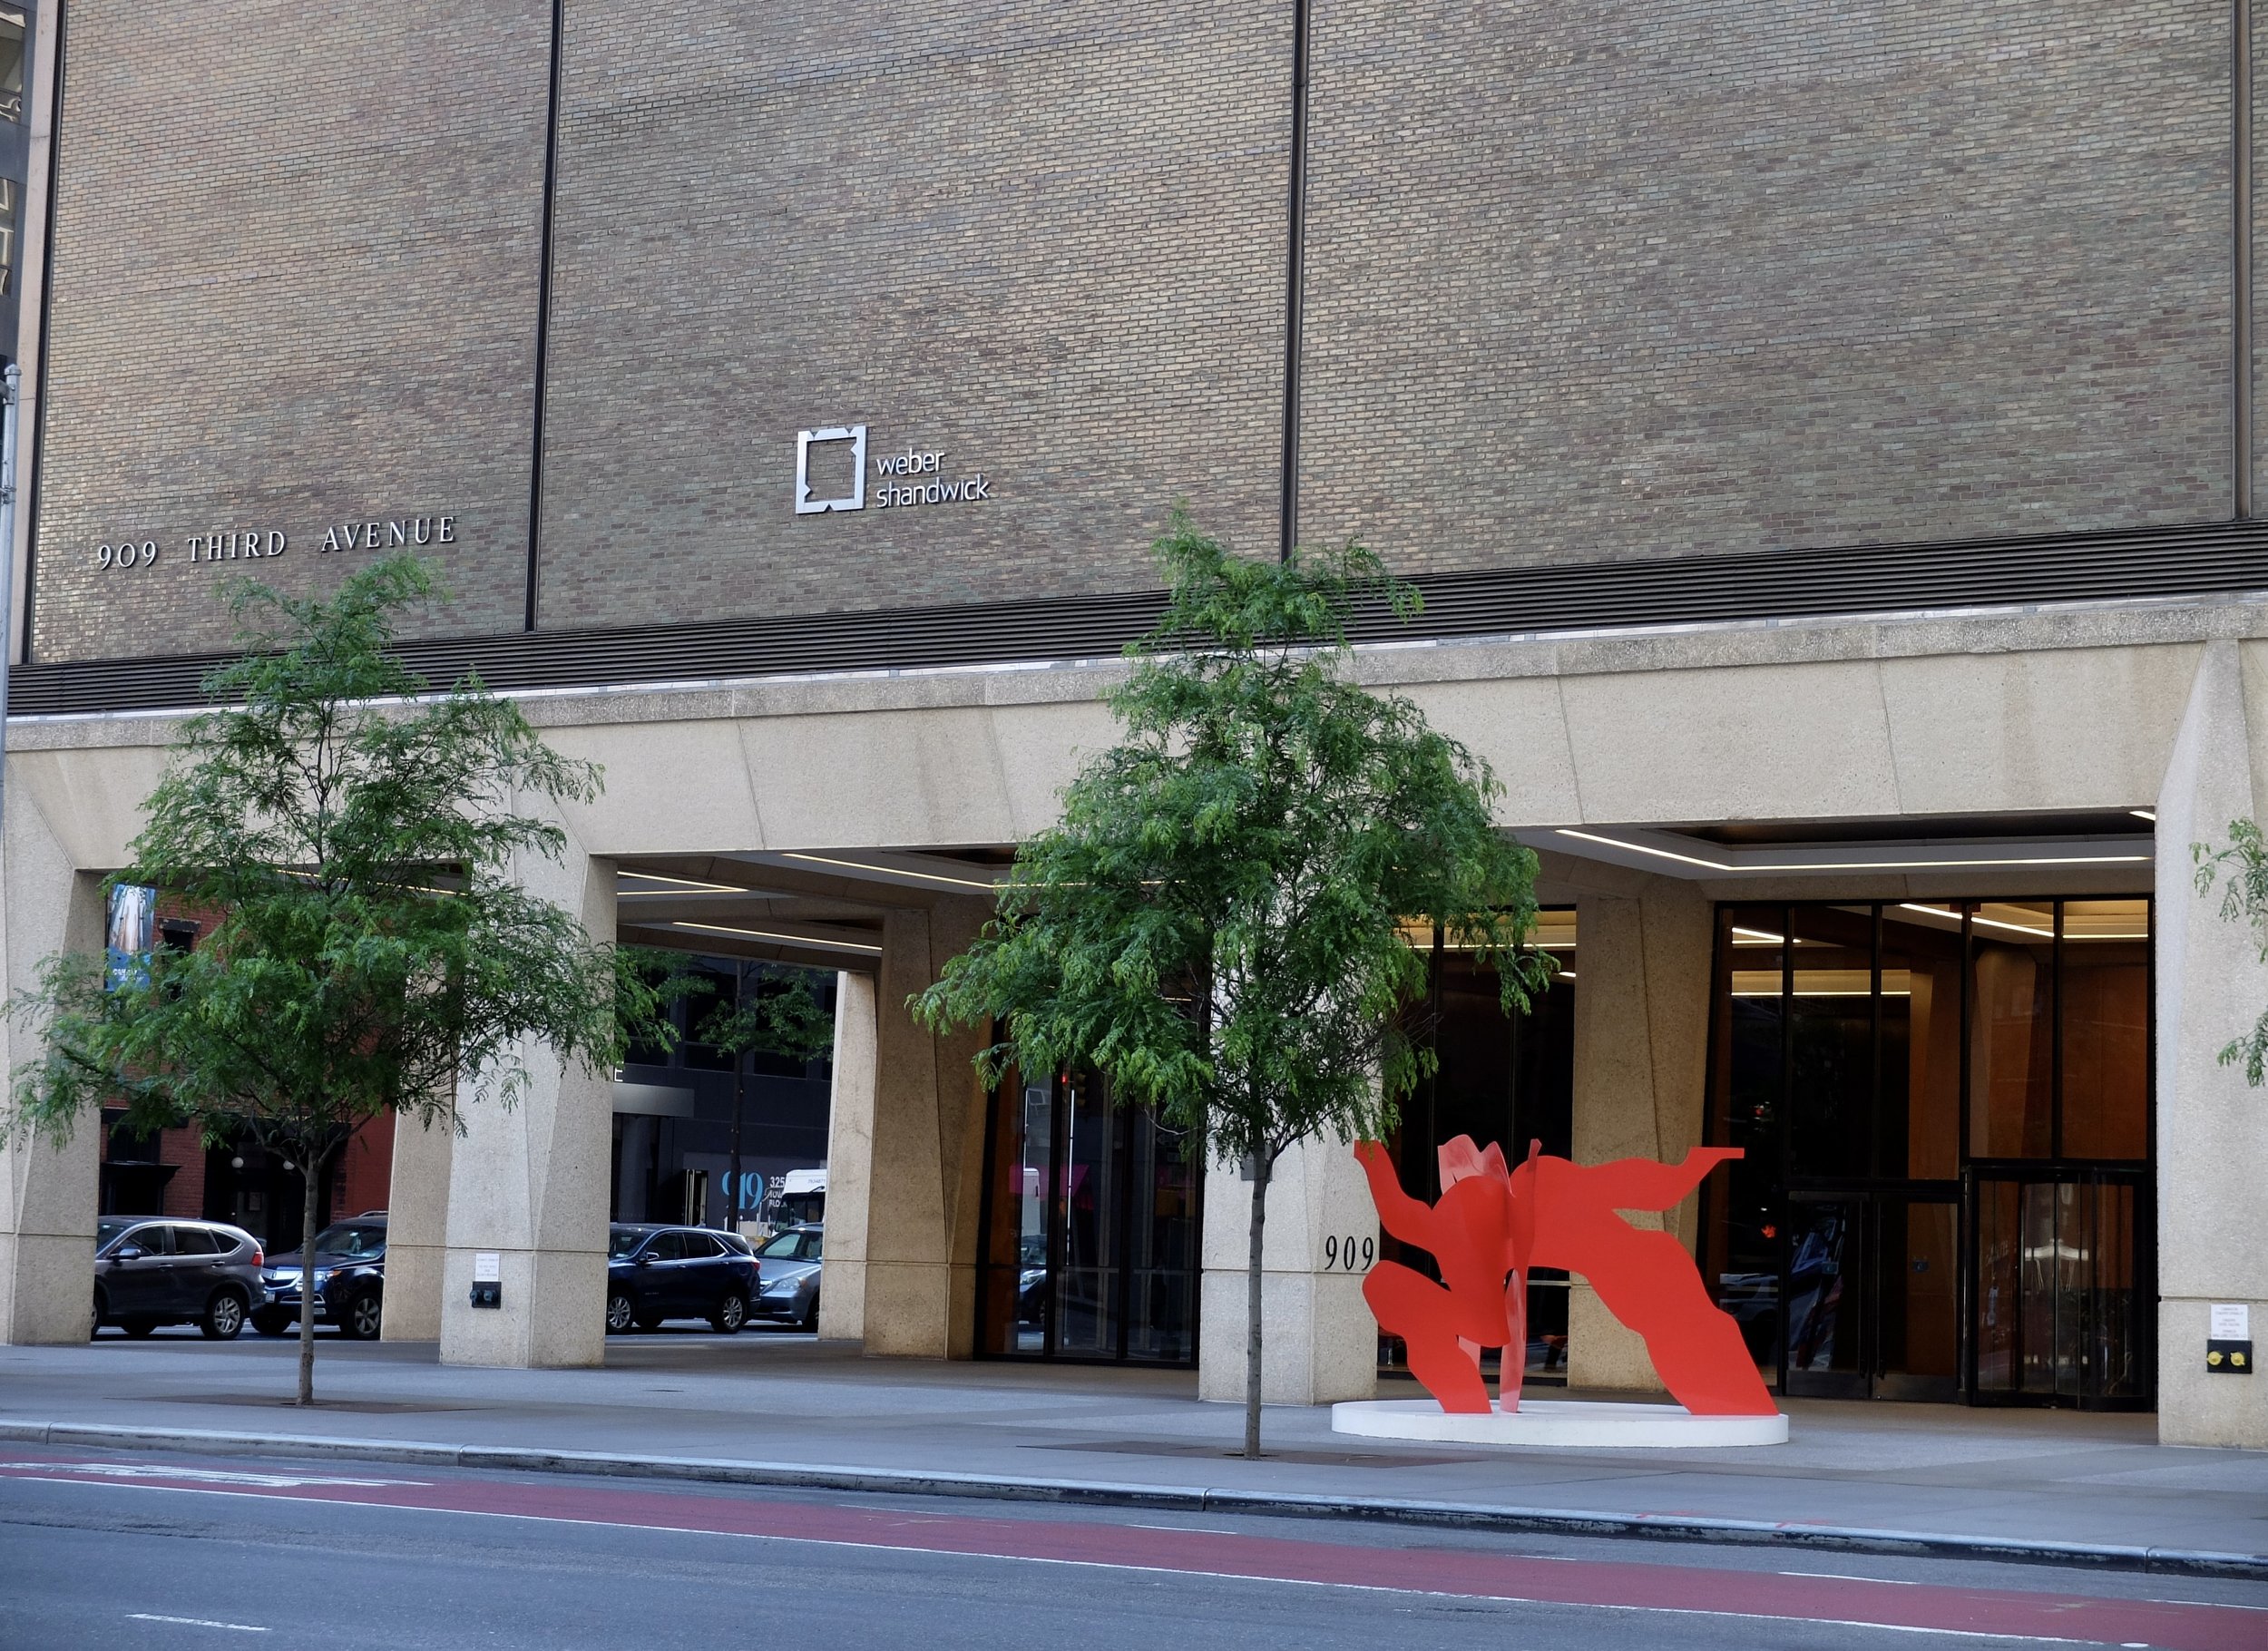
x: 1641, y: 1067
x: 47, y: 1190
x: 2212, y: 1128
x: 1319, y: 1342
x: 416, y: 1229
x: 528, y: 1185
x: 850, y: 1139
x: 908, y: 1151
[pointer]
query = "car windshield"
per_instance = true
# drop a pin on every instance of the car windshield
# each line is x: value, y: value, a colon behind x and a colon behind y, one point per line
x: 781, y: 1246
x: 350, y: 1238
x: 622, y: 1243
x: 106, y: 1232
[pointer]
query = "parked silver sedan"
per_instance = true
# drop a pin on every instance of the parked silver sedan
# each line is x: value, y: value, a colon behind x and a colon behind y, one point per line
x: 788, y: 1273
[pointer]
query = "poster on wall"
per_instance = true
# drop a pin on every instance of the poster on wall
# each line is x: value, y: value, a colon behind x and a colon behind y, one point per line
x: 129, y: 934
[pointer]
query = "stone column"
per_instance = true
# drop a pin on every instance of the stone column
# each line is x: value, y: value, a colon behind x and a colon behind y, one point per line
x: 416, y: 1229
x: 47, y: 1190
x: 2212, y: 1128
x: 1319, y: 1342
x: 909, y: 1153
x: 1641, y: 1068
x: 850, y: 1139
x: 528, y: 1184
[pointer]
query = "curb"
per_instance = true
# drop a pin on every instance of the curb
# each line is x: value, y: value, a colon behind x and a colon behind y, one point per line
x: 897, y: 1482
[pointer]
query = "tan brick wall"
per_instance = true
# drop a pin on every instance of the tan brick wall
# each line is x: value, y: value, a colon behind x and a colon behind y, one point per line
x: 1591, y: 280
x: 1582, y: 282
x: 296, y: 265
x: 1046, y: 239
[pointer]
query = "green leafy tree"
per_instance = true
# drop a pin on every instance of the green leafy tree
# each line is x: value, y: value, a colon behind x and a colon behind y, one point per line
x: 777, y: 1011
x: 360, y: 838
x: 2245, y: 900
x: 1222, y: 922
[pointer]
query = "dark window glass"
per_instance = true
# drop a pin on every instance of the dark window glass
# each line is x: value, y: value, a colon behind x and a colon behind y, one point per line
x: 666, y: 1247
x: 1825, y: 1262
x: 1918, y: 1121
x: 808, y: 1248
x: 153, y: 1240
x: 700, y: 1247
x: 1830, y: 1041
x: 194, y: 1241
x: 106, y: 1232
x: 1086, y: 1293
x: 1746, y: 1214
x: 1091, y: 1243
x: 622, y: 1242
x: 2011, y: 1096
x: 12, y: 31
x: 2106, y: 1028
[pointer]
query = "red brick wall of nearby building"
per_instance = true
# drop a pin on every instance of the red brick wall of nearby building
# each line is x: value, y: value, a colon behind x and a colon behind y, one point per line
x: 366, y: 1170
x: 185, y: 1193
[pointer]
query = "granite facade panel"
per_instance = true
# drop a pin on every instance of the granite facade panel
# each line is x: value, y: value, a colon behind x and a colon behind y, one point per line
x: 1046, y: 241
x: 296, y: 248
x: 1586, y: 280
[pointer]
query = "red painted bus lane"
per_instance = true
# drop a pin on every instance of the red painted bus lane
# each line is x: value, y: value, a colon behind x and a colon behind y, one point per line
x: 1630, y: 1586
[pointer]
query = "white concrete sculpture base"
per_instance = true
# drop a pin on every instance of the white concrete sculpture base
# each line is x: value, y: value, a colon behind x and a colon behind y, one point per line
x: 1557, y: 1422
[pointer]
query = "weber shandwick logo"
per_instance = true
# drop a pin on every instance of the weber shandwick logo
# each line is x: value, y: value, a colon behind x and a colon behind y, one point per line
x: 915, y: 476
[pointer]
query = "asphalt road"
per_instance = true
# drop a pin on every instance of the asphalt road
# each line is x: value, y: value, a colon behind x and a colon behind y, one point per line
x: 120, y: 1551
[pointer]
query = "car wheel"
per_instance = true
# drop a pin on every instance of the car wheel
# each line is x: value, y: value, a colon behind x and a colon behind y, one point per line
x: 732, y: 1312
x: 364, y: 1317
x: 102, y: 1311
x: 619, y: 1314
x: 224, y: 1316
x: 137, y: 1327
x: 272, y: 1322
x: 809, y: 1323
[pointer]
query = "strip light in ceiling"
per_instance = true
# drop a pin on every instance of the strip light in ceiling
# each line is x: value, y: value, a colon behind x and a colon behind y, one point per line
x: 1852, y: 865
x: 895, y: 871
x: 785, y: 940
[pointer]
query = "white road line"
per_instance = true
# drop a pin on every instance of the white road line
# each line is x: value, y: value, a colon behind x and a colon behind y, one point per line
x: 1204, y: 1530
x: 1854, y: 1577
x: 211, y: 1476
x: 195, y: 1622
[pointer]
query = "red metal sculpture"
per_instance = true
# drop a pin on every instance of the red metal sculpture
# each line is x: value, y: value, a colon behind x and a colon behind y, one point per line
x: 1492, y: 1224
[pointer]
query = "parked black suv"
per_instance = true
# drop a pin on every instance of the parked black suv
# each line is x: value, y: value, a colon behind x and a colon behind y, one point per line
x: 350, y: 1281
x: 149, y: 1272
x: 655, y: 1272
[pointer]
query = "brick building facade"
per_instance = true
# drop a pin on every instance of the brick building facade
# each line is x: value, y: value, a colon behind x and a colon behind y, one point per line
x: 1824, y: 435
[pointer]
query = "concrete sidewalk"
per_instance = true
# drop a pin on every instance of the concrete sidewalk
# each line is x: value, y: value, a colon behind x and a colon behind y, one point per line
x: 771, y: 1408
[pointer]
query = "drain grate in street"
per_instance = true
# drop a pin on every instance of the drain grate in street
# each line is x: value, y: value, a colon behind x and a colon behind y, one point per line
x: 1313, y: 1458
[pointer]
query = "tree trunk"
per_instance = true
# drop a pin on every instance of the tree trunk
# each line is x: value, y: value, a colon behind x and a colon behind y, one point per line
x: 313, y: 1178
x: 1262, y: 1165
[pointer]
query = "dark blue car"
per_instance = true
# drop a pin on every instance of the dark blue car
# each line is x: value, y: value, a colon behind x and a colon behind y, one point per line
x: 657, y: 1273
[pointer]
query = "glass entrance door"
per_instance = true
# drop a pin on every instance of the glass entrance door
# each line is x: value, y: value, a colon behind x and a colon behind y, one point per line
x: 1873, y: 1295
x: 1091, y: 1229
x: 2060, y: 1317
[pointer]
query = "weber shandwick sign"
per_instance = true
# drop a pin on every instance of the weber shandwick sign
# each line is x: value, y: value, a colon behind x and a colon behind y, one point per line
x: 917, y: 475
